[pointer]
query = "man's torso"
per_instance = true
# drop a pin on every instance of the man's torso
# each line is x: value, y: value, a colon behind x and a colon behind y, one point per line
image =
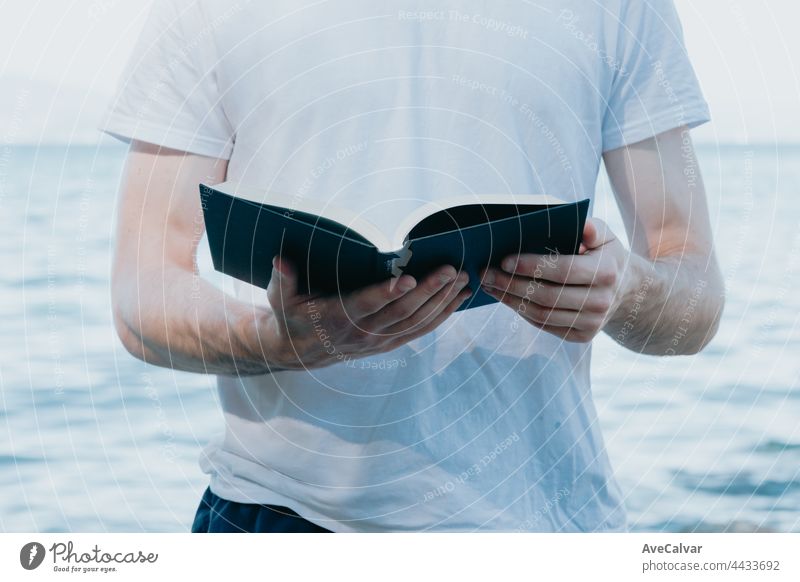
x: 488, y: 422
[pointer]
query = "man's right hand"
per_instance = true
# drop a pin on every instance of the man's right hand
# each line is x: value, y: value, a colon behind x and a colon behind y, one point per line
x: 302, y: 331
x: 168, y: 315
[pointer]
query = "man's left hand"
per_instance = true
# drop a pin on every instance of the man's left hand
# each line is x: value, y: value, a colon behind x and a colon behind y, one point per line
x: 570, y: 296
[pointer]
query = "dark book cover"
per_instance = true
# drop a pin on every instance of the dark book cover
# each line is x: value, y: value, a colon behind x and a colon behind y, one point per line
x: 330, y: 258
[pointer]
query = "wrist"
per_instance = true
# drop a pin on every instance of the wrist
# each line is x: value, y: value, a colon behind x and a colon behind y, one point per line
x: 258, y: 346
x: 638, y: 276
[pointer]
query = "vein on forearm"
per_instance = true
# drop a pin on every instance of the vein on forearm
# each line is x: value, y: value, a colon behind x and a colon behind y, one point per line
x: 184, y: 322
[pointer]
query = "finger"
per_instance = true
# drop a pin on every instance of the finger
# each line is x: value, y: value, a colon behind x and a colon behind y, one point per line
x: 596, y: 233
x: 402, y: 339
x: 567, y: 333
x: 564, y: 332
x: 547, y: 294
x: 430, y: 309
x: 546, y: 316
x: 282, y: 287
x: 589, y: 233
x: 365, y: 302
x: 556, y: 268
x: 404, y: 307
x: 561, y: 318
x: 538, y: 290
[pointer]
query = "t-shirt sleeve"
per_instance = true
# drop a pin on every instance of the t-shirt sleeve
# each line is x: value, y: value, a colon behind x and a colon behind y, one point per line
x: 168, y: 93
x: 654, y: 87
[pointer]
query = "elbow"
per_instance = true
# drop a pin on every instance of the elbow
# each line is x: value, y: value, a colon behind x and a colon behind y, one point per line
x: 126, y: 330
x: 130, y: 339
x: 708, y: 326
x: 698, y: 346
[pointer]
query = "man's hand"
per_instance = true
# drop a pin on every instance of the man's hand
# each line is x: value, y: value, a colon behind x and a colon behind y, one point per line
x: 301, y: 331
x: 664, y: 296
x: 167, y: 315
x: 570, y: 296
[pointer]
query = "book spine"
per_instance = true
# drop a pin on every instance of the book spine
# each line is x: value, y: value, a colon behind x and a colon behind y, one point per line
x: 396, y: 262
x: 383, y: 266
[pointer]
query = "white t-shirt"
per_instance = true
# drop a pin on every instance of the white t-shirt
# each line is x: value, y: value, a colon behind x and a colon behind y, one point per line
x: 486, y: 423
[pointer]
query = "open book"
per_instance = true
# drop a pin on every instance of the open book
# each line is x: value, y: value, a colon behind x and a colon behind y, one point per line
x: 338, y: 250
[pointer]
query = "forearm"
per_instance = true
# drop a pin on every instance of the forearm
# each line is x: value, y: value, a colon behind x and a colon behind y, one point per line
x: 172, y: 318
x: 672, y: 305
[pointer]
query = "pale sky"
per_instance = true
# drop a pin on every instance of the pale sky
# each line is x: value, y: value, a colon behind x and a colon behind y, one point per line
x: 746, y: 54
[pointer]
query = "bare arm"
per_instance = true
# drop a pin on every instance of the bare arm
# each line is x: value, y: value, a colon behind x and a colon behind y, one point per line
x: 664, y: 296
x: 168, y: 316
x: 675, y: 296
x: 163, y: 312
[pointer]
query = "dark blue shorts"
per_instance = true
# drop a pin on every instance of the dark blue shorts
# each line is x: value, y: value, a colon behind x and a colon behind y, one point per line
x: 217, y: 515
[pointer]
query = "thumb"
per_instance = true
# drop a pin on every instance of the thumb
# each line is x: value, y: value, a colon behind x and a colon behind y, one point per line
x: 595, y: 234
x: 282, y: 288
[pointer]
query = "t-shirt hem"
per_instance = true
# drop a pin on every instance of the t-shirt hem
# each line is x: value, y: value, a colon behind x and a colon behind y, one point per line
x: 691, y: 117
x: 126, y: 128
x: 261, y: 495
x: 265, y: 496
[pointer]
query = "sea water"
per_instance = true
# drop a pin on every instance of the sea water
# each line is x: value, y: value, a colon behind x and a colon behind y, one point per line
x: 93, y: 440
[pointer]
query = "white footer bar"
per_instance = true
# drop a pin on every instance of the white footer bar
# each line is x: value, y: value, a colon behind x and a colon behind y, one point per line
x: 406, y: 557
